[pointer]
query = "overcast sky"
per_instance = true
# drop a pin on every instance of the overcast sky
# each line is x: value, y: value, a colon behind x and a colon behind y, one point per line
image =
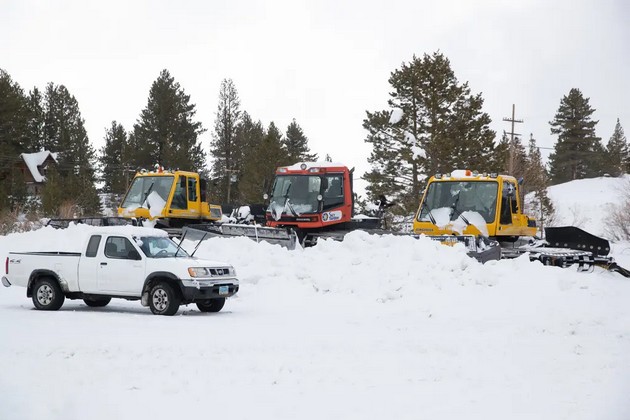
x: 323, y: 63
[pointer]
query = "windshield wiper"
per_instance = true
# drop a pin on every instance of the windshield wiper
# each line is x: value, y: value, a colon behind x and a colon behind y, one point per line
x: 284, y: 205
x: 293, y: 212
x: 459, y: 213
x: 180, y: 243
x: 146, y: 194
x: 431, y: 218
x: 199, y: 243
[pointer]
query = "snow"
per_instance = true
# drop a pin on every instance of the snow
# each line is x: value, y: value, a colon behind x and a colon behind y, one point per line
x: 474, y: 218
x: 368, y: 328
x: 585, y: 203
x: 418, y: 152
x: 155, y: 203
x: 396, y: 116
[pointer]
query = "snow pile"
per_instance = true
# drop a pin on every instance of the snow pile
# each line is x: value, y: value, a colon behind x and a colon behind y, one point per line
x: 375, y: 326
x: 586, y: 203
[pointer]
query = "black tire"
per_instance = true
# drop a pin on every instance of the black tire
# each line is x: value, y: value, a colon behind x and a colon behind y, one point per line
x: 47, y: 295
x: 97, y: 302
x: 163, y: 300
x: 211, y: 305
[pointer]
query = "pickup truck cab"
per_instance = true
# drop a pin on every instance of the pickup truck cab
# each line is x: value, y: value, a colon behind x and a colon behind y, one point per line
x: 132, y: 263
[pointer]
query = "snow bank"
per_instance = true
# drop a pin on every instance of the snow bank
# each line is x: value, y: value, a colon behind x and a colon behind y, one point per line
x: 586, y: 203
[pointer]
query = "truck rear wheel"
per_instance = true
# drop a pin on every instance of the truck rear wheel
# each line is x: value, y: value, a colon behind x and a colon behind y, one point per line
x: 211, y: 305
x: 47, y: 295
x: 163, y: 300
x: 97, y: 302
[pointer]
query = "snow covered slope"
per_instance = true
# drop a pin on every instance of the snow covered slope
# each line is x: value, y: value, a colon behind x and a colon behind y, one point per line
x: 586, y: 203
x: 369, y: 328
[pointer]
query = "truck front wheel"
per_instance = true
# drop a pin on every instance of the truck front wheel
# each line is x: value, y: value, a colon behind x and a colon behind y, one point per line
x: 163, y: 300
x: 47, y: 295
x: 211, y: 305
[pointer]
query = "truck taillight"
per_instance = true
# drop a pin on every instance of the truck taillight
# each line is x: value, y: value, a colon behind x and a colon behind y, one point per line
x: 6, y: 266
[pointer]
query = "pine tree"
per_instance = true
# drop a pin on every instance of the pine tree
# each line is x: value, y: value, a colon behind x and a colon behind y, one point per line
x: 617, y: 152
x: 296, y: 145
x: 250, y: 134
x: 13, y: 117
x: 53, y: 193
x: 166, y: 132
x: 225, y: 147
x: 35, y: 122
x: 115, y: 160
x: 65, y: 134
x: 511, y: 156
x: 536, y: 182
x: 260, y: 167
x: 434, y: 125
x: 469, y: 131
x: 14, y: 139
x: 578, y: 153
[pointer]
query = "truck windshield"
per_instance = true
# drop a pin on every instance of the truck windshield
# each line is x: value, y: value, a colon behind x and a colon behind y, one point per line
x: 159, y: 247
x: 142, y: 186
x: 460, y: 196
x: 295, y: 194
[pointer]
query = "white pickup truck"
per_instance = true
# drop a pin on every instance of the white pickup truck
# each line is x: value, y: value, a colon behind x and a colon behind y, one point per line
x: 126, y: 262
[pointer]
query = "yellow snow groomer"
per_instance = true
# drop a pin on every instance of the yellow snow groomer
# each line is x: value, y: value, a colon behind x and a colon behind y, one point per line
x: 171, y: 198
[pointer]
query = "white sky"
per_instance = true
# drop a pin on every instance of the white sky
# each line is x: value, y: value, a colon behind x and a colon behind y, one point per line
x: 323, y: 63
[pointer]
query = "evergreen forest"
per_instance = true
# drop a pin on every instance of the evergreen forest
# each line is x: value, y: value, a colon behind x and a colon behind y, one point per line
x: 431, y: 123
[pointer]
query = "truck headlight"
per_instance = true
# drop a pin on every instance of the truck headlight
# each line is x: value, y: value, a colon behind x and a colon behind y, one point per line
x: 198, y: 272
x: 211, y: 271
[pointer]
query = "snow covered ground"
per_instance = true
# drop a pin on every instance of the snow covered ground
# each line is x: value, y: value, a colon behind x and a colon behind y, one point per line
x: 369, y: 328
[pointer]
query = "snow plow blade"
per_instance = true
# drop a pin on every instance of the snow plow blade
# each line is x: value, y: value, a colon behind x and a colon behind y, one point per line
x: 285, y: 238
x: 575, y: 238
x: 480, y: 247
x: 568, y: 245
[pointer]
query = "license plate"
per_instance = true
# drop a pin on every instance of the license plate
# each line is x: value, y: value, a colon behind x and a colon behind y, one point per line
x: 224, y: 290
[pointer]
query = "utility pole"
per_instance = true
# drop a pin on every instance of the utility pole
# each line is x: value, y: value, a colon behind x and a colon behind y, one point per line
x: 513, y: 120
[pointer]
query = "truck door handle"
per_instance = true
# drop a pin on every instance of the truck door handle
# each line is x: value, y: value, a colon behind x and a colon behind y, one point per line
x: 103, y: 263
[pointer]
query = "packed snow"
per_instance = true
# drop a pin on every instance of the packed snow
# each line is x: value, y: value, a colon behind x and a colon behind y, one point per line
x: 369, y: 328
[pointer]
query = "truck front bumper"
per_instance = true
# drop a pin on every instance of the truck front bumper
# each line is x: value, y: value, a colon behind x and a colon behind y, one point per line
x: 6, y: 282
x: 194, y: 290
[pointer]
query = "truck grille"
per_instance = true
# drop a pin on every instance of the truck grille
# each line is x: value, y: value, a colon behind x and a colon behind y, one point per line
x: 219, y: 272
